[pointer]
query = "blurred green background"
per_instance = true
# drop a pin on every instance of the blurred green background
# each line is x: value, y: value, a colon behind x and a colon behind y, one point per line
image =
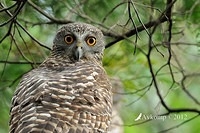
x: 126, y: 62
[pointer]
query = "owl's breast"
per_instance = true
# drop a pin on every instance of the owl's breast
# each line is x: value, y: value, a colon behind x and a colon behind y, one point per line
x: 86, y: 86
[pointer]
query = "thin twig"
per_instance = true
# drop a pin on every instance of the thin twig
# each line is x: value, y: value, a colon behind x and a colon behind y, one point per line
x: 176, y: 126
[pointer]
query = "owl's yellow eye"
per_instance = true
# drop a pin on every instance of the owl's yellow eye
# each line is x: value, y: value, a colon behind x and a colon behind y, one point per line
x: 91, y: 41
x: 69, y: 39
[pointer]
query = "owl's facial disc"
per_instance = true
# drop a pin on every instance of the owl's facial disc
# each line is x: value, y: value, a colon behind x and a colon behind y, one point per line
x: 78, y: 51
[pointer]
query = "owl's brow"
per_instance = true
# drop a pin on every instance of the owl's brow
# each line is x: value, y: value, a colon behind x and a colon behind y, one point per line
x: 79, y: 29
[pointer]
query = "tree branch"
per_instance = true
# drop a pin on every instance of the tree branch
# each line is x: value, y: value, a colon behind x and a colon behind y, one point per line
x: 163, y: 18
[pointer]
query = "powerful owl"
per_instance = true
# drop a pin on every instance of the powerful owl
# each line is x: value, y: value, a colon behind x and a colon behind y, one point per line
x: 70, y: 91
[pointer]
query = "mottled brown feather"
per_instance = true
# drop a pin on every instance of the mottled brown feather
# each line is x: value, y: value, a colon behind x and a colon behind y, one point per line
x: 63, y: 96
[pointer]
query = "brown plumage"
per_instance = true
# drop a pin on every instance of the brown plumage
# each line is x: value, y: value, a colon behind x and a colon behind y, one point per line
x: 70, y: 91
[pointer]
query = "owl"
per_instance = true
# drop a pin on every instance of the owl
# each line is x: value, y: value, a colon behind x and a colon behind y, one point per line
x: 70, y: 91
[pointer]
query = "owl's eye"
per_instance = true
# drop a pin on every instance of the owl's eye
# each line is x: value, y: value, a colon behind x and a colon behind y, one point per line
x: 69, y: 39
x: 91, y: 41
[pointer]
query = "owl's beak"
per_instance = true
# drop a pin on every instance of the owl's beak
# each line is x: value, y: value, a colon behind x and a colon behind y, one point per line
x: 78, y: 51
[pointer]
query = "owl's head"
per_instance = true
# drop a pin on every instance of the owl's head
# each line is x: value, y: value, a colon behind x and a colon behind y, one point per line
x: 78, y: 41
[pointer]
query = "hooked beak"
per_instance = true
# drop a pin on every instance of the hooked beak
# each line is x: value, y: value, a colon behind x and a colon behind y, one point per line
x: 78, y: 51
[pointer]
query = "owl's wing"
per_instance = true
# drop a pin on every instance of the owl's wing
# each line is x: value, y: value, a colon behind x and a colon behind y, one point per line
x: 59, y: 103
x: 27, y: 111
